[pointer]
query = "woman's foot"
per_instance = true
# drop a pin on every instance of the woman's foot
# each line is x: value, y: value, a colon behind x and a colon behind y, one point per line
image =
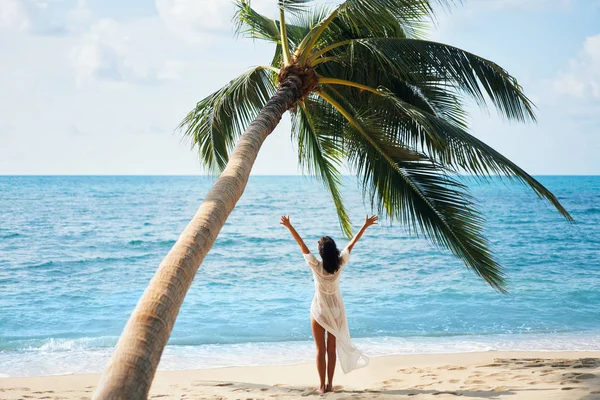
x: 329, y: 388
x: 322, y: 389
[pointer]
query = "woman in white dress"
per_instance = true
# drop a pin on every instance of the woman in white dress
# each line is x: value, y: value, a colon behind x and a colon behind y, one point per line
x: 327, y: 310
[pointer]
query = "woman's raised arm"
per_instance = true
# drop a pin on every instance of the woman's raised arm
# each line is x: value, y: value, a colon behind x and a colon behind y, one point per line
x: 285, y: 221
x: 372, y: 220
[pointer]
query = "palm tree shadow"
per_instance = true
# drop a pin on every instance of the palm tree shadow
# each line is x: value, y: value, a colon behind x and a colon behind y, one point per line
x: 405, y: 393
x: 594, y: 392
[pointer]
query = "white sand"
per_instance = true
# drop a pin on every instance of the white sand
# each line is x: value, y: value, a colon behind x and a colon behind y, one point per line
x: 489, y: 375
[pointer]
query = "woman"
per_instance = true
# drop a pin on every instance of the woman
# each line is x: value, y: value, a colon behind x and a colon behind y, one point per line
x: 327, y: 310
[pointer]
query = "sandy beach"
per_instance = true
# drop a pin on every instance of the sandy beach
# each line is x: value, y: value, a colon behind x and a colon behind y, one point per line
x: 489, y: 375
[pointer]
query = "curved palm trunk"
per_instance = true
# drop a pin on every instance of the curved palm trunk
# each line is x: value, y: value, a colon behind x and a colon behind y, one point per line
x: 132, y: 367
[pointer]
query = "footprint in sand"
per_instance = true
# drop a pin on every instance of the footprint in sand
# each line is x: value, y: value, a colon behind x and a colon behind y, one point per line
x: 309, y: 392
x: 454, y: 380
x: 391, y: 381
x: 474, y: 382
x: 209, y: 383
x: 495, y: 374
x: 476, y: 388
x: 577, y: 375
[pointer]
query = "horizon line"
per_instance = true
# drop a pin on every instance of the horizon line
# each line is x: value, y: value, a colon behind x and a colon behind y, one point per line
x: 254, y: 175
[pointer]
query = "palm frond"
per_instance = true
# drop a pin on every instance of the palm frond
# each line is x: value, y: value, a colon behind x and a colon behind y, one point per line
x: 355, y: 19
x: 217, y: 121
x: 417, y: 61
x: 418, y: 125
x: 453, y: 145
x: 251, y: 24
x: 364, y: 18
x: 415, y: 190
x: 320, y: 150
x: 293, y: 6
x: 310, y: 18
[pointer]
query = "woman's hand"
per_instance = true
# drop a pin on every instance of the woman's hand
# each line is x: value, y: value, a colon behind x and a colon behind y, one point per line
x: 372, y: 220
x: 285, y: 221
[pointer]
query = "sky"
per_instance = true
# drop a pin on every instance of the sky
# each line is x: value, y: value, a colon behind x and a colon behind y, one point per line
x: 99, y: 86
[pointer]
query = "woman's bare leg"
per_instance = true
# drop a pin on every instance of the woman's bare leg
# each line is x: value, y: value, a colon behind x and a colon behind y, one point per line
x: 330, y: 361
x: 319, y: 335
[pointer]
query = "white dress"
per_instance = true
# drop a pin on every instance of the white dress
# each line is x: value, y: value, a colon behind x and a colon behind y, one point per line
x: 328, y: 310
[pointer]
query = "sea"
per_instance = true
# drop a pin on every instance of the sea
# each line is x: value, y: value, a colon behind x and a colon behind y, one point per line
x: 76, y: 253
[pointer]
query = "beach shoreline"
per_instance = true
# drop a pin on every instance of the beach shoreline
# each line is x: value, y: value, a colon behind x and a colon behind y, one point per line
x: 491, y: 374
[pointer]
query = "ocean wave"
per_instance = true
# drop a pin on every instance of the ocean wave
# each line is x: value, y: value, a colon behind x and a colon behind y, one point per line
x: 50, y: 345
x: 11, y: 235
x: 88, y: 343
x: 591, y: 210
x: 58, y: 357
x: 89, y: 260
x: 138, y: 242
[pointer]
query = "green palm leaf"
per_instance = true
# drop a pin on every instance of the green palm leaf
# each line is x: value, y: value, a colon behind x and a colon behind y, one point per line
x: 320, y: 150
x: 217, y: 121
x: 416, y: 61
x: 294, y: 6
x: 417, y: 125
x: 251, y: 24
x: 453, y: 145
x: 413, y: 189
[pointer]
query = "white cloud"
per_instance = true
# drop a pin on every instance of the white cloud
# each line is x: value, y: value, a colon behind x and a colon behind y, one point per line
x: 583, y: 76
x: 79, y: 16
x: 114, y: 52
x: 44, y: 18
x: 14, y: 16
x: 96, y: 61
x: 201, y: 20
x: 172, y: 70
x: 195, y: 20
x: 99, y: 56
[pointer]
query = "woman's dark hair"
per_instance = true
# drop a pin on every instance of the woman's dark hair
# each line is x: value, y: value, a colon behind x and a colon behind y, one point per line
x: 330, y: 254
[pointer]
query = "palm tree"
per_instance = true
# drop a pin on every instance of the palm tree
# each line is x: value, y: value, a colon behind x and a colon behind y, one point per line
x: 363, y: 87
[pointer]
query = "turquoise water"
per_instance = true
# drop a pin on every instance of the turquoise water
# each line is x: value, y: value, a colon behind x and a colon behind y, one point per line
x: 77, y: 252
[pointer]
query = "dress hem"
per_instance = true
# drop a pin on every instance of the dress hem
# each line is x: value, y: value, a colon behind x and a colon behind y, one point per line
x: 364, y: 357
